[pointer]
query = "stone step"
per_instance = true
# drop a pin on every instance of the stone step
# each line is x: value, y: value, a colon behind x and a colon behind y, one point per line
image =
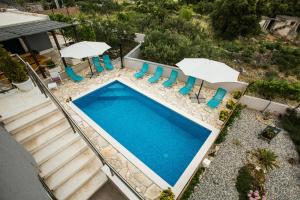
x: 55, y: 147
x: 69, y: 169
x: 34, y: 107
x: 60, y: 159
x: 78, y: 180
x: 31, y: 118
x: 90, y: 187
x: 40, y: 141
x: 39, y: 127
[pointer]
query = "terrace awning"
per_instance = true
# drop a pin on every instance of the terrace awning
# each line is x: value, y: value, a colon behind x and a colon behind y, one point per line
x: 21, y: 30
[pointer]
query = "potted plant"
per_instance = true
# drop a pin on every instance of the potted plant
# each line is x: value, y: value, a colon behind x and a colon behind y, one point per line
x: 167, y: 195
x: 237, y: 94
x: 269, y: 133
x: 230, y: 104
x: 223, y: 115
x: 52, y: 67
x: 14, y: 71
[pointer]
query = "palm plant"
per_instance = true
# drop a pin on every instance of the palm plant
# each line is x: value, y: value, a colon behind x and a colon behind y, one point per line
x: 265, y: 158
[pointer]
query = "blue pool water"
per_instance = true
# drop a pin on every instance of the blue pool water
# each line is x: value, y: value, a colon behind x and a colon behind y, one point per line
x: 161, y: 138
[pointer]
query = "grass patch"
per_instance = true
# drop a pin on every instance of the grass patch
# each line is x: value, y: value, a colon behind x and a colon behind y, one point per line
x: 195, y: 180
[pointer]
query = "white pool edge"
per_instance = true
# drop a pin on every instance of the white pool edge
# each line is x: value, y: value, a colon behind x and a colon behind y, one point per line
x: 191, y: 168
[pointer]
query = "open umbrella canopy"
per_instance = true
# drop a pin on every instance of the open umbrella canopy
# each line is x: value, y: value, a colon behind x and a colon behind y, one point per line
x: 208, y: 70
x: 84, y: 49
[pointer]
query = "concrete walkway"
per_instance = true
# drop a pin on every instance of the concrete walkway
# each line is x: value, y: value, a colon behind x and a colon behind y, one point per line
x: 108, y: 192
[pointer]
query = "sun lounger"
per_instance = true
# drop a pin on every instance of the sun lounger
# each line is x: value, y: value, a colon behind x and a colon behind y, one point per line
x: 217, y: 98
x: 158, y: 72
x: 172, y: 79
x: 188, y: 86
x: 97, y: 65
x: 107, y: 62
x: 73, y: 75
x: 143, y: 71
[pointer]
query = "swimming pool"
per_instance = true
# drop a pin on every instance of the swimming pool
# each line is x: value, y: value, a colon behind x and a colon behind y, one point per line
x: 162, y: 139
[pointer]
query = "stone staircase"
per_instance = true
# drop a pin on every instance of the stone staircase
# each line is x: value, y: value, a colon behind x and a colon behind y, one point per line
x: 67, y: 165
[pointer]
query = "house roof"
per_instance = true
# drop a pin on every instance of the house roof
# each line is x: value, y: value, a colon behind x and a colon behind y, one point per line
x: 25, y: 29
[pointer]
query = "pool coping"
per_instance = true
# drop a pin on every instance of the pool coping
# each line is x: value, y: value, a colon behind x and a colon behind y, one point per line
x: 192, y: 166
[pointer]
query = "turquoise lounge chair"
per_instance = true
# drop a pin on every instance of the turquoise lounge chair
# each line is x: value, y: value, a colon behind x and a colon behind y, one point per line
x: 107, y: 62
x: 188, y: 86
x: 217, y: 98
x: 158, y: 72
x: 172, y: 79
x: 73, y: 75
x: 97, y: 64
x: 143, y: 71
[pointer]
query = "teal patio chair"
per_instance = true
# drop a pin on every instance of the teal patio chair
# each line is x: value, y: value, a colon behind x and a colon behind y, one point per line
x: 143, y: 71
x: 172, y: 79
x: 188, y: 86
x: 97, y: 65
x: 73, y: 75
x: 158, y: 72
x: 217, y: 98
x: 107, y: 62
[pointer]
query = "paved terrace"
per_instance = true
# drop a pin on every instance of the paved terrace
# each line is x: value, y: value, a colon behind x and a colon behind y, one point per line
x: 132, y: 174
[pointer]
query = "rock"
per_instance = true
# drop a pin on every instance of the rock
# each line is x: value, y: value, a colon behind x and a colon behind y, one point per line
x: 152, y: 192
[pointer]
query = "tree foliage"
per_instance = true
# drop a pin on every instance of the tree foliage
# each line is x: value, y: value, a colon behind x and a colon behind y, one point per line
x: 156, y: 8
x: 11, y: 68
x: 99, y: 6
x: 277, y: 89
x: 113, y: 32
x: 231, y: 19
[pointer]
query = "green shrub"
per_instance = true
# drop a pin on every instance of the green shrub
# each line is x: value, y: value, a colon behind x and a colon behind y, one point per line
x: 271, y: 75
x: 235, y: 114
x: 167, y: 195
x: 11, y: 68
x: 276, y: 88
x: 244, y: 182
x: 230, y: 104
x: 243, y: 22
x: 165, y: 47
x: 288, y: 60
x: 223, y: 115
x: 237, y: 94
x: 265, y: 158
x: 291, y: 123
x: 195, y: 180
x: 186, y: 13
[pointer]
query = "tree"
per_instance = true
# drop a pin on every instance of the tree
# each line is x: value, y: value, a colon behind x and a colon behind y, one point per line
x: 156, y: 8
x: 11, y: 68
x: 186, y: 13
x: 231, y: 19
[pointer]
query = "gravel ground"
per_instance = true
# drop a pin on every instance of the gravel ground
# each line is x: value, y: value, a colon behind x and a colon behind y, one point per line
x: 218, y: 182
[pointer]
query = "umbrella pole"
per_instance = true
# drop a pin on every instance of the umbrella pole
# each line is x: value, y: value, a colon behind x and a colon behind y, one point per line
x: 197, y: 95
x: 92, y: 73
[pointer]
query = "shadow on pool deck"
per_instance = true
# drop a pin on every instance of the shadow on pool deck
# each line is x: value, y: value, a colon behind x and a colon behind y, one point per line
x: 108, y: 192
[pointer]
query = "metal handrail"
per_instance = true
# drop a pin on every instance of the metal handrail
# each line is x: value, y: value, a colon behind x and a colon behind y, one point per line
x: 76, y: 129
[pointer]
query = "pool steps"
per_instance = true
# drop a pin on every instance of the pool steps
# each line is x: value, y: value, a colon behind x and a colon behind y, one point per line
x: 65, y: 162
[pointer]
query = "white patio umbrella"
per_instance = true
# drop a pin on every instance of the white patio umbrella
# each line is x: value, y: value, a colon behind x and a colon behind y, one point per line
x: 208, y: 70
x: 85, y: 49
